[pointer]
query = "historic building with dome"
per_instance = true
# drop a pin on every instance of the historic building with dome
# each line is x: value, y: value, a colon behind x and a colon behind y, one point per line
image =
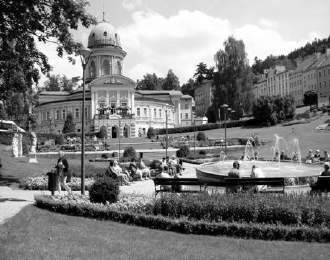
x: 112, y: 102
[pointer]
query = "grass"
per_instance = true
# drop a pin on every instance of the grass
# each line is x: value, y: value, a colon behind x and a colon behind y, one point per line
x: 40, y: 234
x: 309, y: 138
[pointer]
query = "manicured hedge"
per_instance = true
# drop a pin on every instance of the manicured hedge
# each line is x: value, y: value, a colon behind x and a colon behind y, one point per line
x: 182, y: 225
x: 250, y: 208
x: 186, y: 129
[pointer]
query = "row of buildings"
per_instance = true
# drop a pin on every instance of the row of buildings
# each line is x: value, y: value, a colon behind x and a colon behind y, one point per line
x: 112, y: 100
x: 311, y: 74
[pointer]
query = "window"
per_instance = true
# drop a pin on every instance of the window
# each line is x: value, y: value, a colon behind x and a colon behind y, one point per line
x: 145, y: 111
x: 105, y: 33
x: 48, y: 115
x: 181, y: 115
x: 57, y: 117
x: 186, y: 106
x: 138, y: 111
x: 77, y: 113
x: 124, y: 94
x: 155, y: 112
x: 106, y: 67
x: 92, y: 70
x: 160, y: 113
x: 113, y: 95
x: 86, y: 112
x: 63, y: 114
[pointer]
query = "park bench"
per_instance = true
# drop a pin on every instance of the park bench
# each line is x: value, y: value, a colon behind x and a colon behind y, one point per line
x: 322, y: 185
x: 165, y: 183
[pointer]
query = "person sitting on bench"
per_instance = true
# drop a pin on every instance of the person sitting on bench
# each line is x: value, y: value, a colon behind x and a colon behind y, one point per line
x: 258, y: 173
x: 234, y: 173
x: 114, y: 172
x: 136, y: 173
x: 326, y: 171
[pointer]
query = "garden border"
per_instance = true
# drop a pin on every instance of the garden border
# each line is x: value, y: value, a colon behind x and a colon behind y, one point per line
x: 238, y: 230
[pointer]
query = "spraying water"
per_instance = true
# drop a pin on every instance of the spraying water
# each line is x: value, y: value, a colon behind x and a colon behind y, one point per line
x: 249, y: 153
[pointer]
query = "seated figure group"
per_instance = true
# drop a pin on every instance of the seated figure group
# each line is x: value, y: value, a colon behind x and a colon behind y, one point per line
x: 135, y: 171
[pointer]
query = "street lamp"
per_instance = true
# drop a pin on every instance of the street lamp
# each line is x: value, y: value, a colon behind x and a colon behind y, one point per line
x: 166, y: 134
x: 225, y: 107
x: 84, y: 57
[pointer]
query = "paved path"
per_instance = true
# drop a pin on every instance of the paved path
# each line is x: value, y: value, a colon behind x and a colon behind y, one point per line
x: 13, y: 200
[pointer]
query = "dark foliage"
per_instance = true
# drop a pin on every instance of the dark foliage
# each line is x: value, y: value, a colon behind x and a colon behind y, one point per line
x: 60, y: 139
x: 129, y: 153
x: 151, y: 133
x: 183, y: 151
x: 201, y: 136
x: 234, y: 229
x: 102, y: 133
x: 104, y: 190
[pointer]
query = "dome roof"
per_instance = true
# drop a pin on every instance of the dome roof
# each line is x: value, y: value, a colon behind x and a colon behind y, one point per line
x: 103, y: 35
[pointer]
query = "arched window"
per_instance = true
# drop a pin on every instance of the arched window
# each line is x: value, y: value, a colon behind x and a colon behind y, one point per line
x: 92, y: 70
x: 119, y: 67
x: 106, y: 67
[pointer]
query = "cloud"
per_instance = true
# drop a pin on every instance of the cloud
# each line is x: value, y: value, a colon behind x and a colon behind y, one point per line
x: 268, y: 23
x: 131, y: 4
x: 156, y: 43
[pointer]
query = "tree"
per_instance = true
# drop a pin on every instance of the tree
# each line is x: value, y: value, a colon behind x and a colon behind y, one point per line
x: 69, y: 126
x: 171, y: 82
x: 150, y: 82
x: 310, y: 98
x: 202, y: 72
x: 3, y: 114
x: 234, y: 76
x: 52, y: 83
x: 189, y: 88
x: 22, y: 23
x: 103, y: 132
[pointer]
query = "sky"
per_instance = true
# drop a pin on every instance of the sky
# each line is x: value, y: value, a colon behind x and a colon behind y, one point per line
x: 159, y: 35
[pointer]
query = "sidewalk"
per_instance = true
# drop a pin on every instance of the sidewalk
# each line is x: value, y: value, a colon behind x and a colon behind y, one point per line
x: 14, y: 200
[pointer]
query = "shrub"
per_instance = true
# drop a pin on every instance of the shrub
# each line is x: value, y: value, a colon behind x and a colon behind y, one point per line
x: 202, y: 152
x: 183, y: 151
x: 151, y: 132
x: 104, y: 189
x: 201, y: 136
x: 129, y: 152
x: 155, y: 164
x: 102, y: 133
x: 59, y: 140
x: 104, y: 156
x: 129, y: 215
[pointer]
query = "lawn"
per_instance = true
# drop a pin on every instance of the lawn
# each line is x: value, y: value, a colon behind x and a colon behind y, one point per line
x: 309, y: 138
x: 40, y: 234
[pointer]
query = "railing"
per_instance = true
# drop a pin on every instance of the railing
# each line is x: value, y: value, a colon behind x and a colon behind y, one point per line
x: 107, y: 116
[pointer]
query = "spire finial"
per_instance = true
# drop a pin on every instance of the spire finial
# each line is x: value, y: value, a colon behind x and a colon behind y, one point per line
x: 103, y: 13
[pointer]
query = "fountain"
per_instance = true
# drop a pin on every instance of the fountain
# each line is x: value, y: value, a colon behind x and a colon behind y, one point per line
x: 294, y: 172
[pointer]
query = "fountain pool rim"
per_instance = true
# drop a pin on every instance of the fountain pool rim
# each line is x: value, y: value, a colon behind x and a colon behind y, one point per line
x: 288, y: 170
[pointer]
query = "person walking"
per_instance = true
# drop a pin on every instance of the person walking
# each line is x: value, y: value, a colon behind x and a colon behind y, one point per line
x: 62, y: 170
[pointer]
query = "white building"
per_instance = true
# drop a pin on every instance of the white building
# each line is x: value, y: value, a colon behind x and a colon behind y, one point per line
x: 111, y: 98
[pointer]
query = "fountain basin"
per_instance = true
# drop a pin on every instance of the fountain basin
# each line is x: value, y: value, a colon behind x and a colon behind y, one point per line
x: 293, y: 173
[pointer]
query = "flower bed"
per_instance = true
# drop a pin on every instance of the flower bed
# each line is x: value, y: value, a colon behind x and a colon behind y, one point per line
x: 141, y: 216
x: 41, y: 183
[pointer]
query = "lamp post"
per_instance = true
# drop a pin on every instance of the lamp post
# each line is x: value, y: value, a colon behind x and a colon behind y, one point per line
x: 166, y: 134
x: 84, y: 57
x: 119, y: 139
x: 225, y: 107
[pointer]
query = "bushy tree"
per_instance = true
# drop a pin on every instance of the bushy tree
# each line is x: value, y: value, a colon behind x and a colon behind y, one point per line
x: 103, y: 133
x: 69, y: 126
x: 310, y: 98
x: 59, y: 139
x: 202, y: 72
x: 271, y: 110
x: 234, y: 77
x: 201, y: 136
x: 25, y: 22
x: 189, y: 88
x: 184, y: 151
x: 171, y: 82
x: 151, y: 132
x: 129, y: 152
x: 150, y: 82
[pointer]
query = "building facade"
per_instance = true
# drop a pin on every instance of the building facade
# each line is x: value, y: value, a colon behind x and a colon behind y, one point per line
x: 323, y: 80
x: 111, y: 98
